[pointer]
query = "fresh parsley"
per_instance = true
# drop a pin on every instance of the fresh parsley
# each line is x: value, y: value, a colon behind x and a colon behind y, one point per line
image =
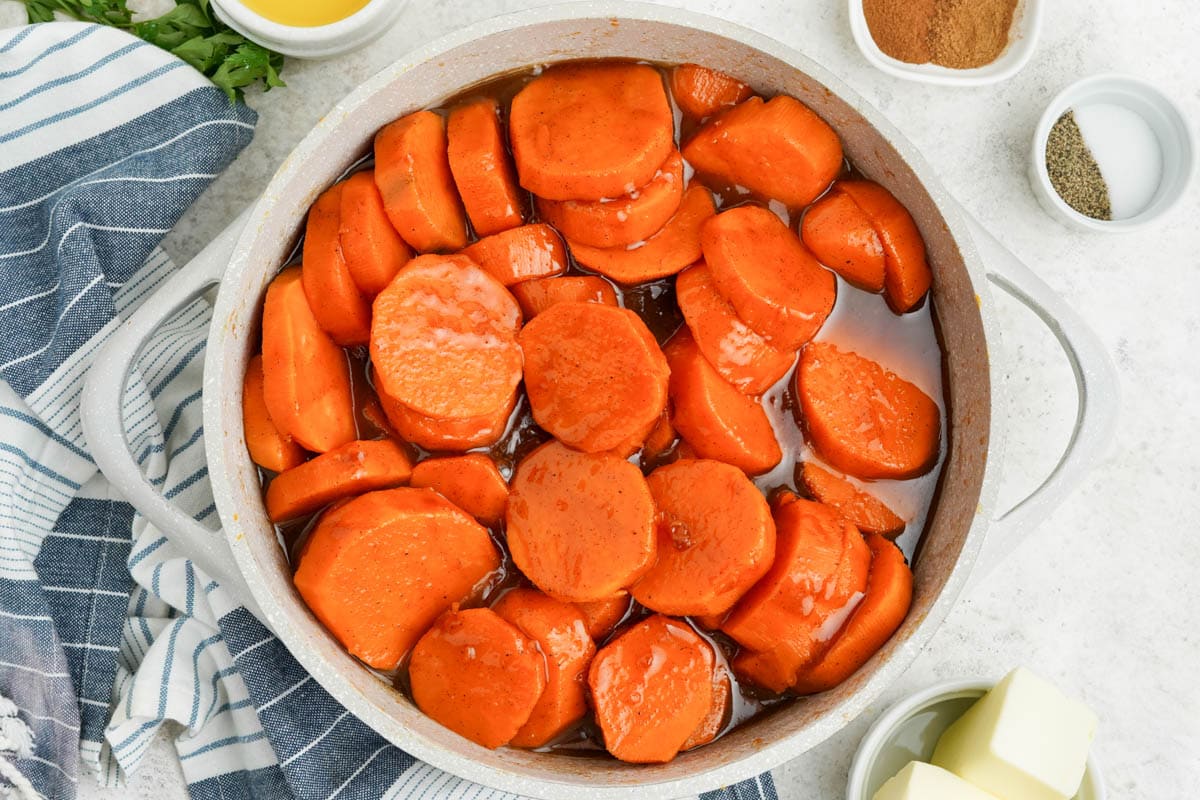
x: 189, y: 31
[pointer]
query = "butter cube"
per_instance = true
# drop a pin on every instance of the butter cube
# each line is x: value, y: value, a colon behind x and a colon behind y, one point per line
x: 1023, y: 740
x: 921, y: 781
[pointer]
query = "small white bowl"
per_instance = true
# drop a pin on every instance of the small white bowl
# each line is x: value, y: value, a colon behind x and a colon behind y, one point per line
x: 1022, y: 41
x: 318, y: 41
x: 909, y: 731
x: 1175, y: 139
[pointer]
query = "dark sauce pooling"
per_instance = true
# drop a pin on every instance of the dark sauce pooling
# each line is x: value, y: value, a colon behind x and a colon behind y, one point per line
x: 861, y: 321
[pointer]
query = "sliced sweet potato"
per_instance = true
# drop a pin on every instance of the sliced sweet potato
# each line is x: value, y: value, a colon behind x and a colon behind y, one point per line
x: 741, y: 356
x: 907, y: 276
x: 718, y: 711
x: 374, y: 252
x: 868, y: 513
x: 582, y: 131
x: 536, y: 296
x: 481, y: 167
x: 434, y: 434
x: 624, y: 220
x: 580, y: 525
x: 864, y: 419
x: 842, y: 238
x: 379, y: 569
x: 667, y: 252
x: 340, y: 307
x: 269, y: 448
x: 701, y: 92
x: 354, y: 468
x: 520, y: 254
x: 471, y: 481
x: 779, y: 149
x: 715, y: 538
x: 595, y: 377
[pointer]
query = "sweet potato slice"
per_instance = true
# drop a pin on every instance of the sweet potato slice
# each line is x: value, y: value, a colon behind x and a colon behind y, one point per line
x: 379, y: 569
x: 520, y: 254
x: 602, y: 616
x: 667, y: 252
x: 335, y: 299
x: 717, y: 420
x: 875, y: 619
x: 412, y: 171
x: 471, y: 481
x: 374, y: 252
x: 741, y: 356
x: 481, y: 167
x: 715, y: 538
x: 779, y: 149
x: 624, y: 220
x: 842, y: 238
x: 864, y: 419
x: 462, y: 433
x: 868, y: 513
x: 701, y: 92
x: 651, y: 687
x: 580, y: 525
x: 269, y: 448
x: 561, y: 634
x: 907, y: 276
x: 443, y: 339
x: 718, y: 711
x: 770, y: 278
x: 537, y: 295
x: 595, y: 376
x: 354, y: 468
x: 583, y: 131
x: 478, y: 675
x: 819, y: 575
x: 306, y: 377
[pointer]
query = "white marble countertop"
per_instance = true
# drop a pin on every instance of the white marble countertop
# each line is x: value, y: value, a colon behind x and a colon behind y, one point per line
x: 1101, y: 599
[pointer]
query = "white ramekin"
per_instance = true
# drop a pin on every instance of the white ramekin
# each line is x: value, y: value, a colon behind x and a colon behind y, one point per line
x: 319, y: 41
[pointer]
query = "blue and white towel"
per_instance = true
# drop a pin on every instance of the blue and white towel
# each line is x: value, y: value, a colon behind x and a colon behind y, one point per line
x: 106, y: 630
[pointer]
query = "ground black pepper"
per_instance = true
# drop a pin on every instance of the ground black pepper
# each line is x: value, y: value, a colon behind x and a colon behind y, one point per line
x: 1073, y: 170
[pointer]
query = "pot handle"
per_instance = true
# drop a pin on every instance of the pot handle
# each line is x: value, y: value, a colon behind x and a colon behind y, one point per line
x: 103, y: 422
x: 1096, y: 382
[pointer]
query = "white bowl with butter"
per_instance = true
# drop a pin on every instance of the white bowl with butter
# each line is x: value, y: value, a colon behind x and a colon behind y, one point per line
x: 909, y: 731
x: 288, y: 27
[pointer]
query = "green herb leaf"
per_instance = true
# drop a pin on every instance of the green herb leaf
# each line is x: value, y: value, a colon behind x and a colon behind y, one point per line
x: 189, y: 31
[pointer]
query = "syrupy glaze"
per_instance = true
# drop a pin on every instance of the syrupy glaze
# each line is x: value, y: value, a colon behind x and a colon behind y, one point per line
x: 908, y: 344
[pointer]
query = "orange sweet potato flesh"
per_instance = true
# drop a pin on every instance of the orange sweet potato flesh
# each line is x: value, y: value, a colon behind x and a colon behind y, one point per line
x: 463, y: 433
x: 868, y: 513
x: 875, y: 619
x: 717, y: 420
x: 412, y: 171
x: 601, y: 617
x: 907, y: 276
x: 701, y: 92
x: 561, y: 634
x: 737, y: 352
x: 335, y: 299
x: 535, y: 296
x: 779, y: 150
x: 478, y: 675
x: 520, y: 254
x: 820, y: 571
x: 471, y: 481
x: 864, y: 419
x: 374, y: 252
x: 775, y: 285
x: 443, y: 339
x: 580, y: 525
x: 842, y: 238
x: 379, y: 569
x: 269, y: 448
x: 354, y: 468
x: 306, y: 377
x: 716, y: 538
x: 675, y: 247
x: 595, y: 377
x: 718, y: 711
x: 661, y: 436
x: 587, y: 131
x: 624, y: 220
x: 481, y: 167
x: 651, y: 688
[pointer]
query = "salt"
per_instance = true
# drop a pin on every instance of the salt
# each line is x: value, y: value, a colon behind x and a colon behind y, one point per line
x: 1128, y: 153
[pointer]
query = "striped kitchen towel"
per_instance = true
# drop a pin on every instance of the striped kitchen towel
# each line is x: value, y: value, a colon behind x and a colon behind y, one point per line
x: 106, y: 629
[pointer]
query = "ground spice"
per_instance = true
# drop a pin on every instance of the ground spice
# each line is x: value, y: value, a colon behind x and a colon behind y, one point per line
x: 1073, y: 170
x: 959, y: 34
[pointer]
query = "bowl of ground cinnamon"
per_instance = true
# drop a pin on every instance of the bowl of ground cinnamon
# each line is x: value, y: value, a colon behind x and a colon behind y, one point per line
x: 949, y: 42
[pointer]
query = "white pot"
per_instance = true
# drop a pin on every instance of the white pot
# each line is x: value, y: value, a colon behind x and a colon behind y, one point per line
x: 426, y: 77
